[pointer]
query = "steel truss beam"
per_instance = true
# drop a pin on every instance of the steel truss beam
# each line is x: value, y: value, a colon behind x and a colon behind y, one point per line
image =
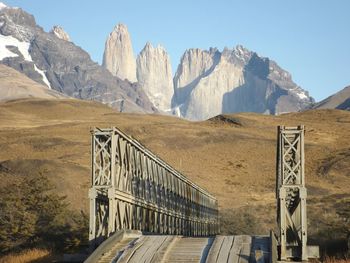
x: 134, y: 189
x: 291, y: 194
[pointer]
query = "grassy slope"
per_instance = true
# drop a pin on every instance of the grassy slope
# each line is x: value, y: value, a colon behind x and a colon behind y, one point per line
x: 235, y: 163
x: 15, y: 85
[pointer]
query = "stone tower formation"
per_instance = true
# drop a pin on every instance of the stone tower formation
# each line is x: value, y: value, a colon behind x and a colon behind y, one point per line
x: 207, y: 82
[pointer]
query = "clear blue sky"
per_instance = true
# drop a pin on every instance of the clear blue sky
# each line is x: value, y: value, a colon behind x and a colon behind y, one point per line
x: 308, y: 38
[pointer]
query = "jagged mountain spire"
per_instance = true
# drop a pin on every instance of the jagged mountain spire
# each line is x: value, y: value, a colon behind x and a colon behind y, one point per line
x: 154, y: 75
x: 118, y: 56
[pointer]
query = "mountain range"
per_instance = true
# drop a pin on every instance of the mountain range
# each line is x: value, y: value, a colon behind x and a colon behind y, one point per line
x: 206, y: 83
x: 54, y: 61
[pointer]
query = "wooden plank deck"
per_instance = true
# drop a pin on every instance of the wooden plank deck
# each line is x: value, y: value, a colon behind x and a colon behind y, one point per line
x: 187, y: 249
x: 117, y: 249
x: 179, y: 249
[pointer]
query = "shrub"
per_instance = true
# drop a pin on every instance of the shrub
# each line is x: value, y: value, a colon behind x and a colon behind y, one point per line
x: 32, y: 214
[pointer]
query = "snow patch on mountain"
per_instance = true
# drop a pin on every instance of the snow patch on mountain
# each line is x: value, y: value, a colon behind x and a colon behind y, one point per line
x: 23, y: 47
x: 302, y: 95
x: 2, y: 5
x: 299, y: 93
x: 42, y: 73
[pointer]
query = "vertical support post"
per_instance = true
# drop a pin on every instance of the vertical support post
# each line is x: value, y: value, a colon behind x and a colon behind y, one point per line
x: 92, y: 198
x: 282, y: 226
x: 111, y: 189
x: 291, y: 193
x: 92, y: 222
x: 111, y: 211
x: 303, y: 224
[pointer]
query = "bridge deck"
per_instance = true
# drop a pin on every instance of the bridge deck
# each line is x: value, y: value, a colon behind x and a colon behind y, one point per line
x: 177, y: 249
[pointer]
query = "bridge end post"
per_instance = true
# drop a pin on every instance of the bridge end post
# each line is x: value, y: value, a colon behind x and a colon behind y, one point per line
x: 291, y: 196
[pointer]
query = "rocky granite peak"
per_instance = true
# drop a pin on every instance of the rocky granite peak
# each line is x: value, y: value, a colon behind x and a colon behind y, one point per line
x: 195, y: 63
x: 118, y: 56
x: 60, y: 33
x: 209, y: 82
x: 154, y: 75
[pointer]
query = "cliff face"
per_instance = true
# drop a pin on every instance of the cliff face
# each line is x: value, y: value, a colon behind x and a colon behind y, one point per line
x: 154, y: 75
x: 118, y: 56
x: 208, y: 83
x: 194, y: 64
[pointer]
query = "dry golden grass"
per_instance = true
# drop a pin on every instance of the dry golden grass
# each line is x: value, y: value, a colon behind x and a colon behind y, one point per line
x: 234, y: 162
x: 335, y: 260
x: 31, y: 255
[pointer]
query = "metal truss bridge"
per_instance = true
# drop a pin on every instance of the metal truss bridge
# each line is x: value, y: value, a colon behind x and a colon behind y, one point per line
x: 143, y: 210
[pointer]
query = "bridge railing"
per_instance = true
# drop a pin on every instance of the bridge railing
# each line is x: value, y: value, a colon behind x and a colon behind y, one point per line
x: 134, y: 189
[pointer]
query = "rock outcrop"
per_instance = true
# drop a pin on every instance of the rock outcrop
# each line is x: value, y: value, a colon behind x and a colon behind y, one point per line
x: 154, y: 75
x: 60, y: 33
x: 63, y: 66
x: 208, y: 83
x: 118, y: 56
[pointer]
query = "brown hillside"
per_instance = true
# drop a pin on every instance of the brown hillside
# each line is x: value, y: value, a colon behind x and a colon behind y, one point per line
x: 232, y: 156
x: 15, y: 85
x: 339, y: 100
